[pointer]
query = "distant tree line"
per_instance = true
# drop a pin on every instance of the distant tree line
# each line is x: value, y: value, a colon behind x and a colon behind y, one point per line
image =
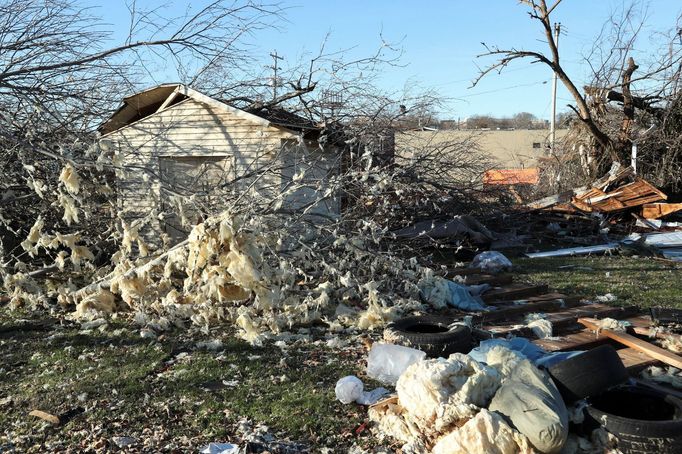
x: 521, y: 120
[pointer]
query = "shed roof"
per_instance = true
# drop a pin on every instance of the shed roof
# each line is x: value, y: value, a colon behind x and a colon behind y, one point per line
x: 152, y: 100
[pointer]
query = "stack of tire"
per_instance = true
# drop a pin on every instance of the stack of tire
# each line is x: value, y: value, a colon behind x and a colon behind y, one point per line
x: 643, y: 419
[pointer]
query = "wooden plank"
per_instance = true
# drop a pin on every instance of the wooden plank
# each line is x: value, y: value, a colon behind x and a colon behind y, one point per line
x: 514, y: 292
x: 658, y: 210
x: 635, y: 360
x: 518, y: 310
x: 643, y: 326
x: 562, y: 320
x: 495, y: 280
x: 462, y: 271
x: 636, y: 343
x: 582, y: 340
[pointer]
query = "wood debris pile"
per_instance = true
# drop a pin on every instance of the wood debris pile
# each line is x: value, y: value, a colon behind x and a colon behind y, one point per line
x: 620, y: 203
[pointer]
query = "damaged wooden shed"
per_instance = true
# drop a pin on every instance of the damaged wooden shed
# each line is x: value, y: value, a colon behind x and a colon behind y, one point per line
x: 180, y: 155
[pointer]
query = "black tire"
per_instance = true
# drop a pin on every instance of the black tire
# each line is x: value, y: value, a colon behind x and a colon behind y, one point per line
x: 643, y: 420
x: 666, y: 315
x: 430, y: 334
x: 589, y: 373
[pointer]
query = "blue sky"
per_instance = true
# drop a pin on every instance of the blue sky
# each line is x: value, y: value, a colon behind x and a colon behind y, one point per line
x: 441, y: 39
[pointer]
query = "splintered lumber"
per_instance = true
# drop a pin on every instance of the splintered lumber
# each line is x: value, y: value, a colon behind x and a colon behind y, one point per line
x: 658, y: 210
x: 555, y: 199
x: 390, y: 400
x: 634, y: 194
x: 631, y: 341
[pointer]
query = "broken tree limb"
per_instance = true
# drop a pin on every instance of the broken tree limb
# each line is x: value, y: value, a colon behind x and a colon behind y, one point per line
x: 631, y: 341
x: 106, y: 280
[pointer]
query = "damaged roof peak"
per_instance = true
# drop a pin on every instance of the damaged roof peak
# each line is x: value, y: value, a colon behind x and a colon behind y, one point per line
x: 155, y: 99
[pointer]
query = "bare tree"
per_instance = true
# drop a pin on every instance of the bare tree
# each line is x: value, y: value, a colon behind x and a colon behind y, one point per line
x: 540, y: 11
x: 603, y: 135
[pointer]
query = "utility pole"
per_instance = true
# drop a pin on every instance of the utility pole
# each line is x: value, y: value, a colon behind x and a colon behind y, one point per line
x: 275, y: 57
x: 557, y: 30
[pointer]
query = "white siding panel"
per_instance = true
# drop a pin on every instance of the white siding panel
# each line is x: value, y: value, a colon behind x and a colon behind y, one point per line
x: 189, y: 128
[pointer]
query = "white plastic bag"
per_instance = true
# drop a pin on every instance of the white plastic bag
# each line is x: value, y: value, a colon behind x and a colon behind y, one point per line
x: 491, y: 262
x: 349, y: 389
x: 386, y: 362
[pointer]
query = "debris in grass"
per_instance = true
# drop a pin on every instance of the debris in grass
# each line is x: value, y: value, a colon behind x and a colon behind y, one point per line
x: 608, y: 298
x: 52, y: 419
x: 123, y: 442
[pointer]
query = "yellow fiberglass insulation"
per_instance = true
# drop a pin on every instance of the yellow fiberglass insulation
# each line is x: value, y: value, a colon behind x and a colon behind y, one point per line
x: 70, y: 178
x: 102, y: 301
x: 130, y: 289
x: 29, y: 244
x: 439, y: 392
x: 485, y: 433
x: 80, y: 253
x: 391, y: 421
x: 70, y: 210
x: 376, y: 316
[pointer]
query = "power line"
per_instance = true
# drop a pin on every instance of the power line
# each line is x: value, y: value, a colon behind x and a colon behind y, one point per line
x: 503, y: 89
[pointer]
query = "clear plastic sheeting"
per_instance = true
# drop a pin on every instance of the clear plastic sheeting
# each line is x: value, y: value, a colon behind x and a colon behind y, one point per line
x: 386, y: 362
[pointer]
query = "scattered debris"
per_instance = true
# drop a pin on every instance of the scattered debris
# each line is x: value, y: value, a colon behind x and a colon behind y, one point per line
x: 220, y: 448
x: 123, y: 442
x: 52, y: 419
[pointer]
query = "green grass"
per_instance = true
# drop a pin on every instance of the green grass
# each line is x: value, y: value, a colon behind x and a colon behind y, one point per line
x: 113, y: 383
x: 643, y: 282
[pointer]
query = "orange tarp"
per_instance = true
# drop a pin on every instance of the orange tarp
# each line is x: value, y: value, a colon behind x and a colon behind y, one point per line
x: 511, y: 176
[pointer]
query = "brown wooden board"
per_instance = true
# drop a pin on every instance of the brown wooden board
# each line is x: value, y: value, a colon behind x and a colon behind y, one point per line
x: 582, y: 340
x: 517, y: 311
x: 636, y: 343
x: 658, y: 210
x: 634, y: 360
x: 513, y: 292
x: 563, y: 315
x: 496, y: 280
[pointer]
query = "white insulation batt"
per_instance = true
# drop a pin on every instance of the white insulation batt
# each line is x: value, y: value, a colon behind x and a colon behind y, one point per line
x: 485, y: 433
x: 459, y: 405
x: 439, y: 392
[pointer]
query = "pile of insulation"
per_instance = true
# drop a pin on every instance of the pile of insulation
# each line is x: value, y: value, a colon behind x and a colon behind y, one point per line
x: 457, y: 404
x: 264, y: 276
